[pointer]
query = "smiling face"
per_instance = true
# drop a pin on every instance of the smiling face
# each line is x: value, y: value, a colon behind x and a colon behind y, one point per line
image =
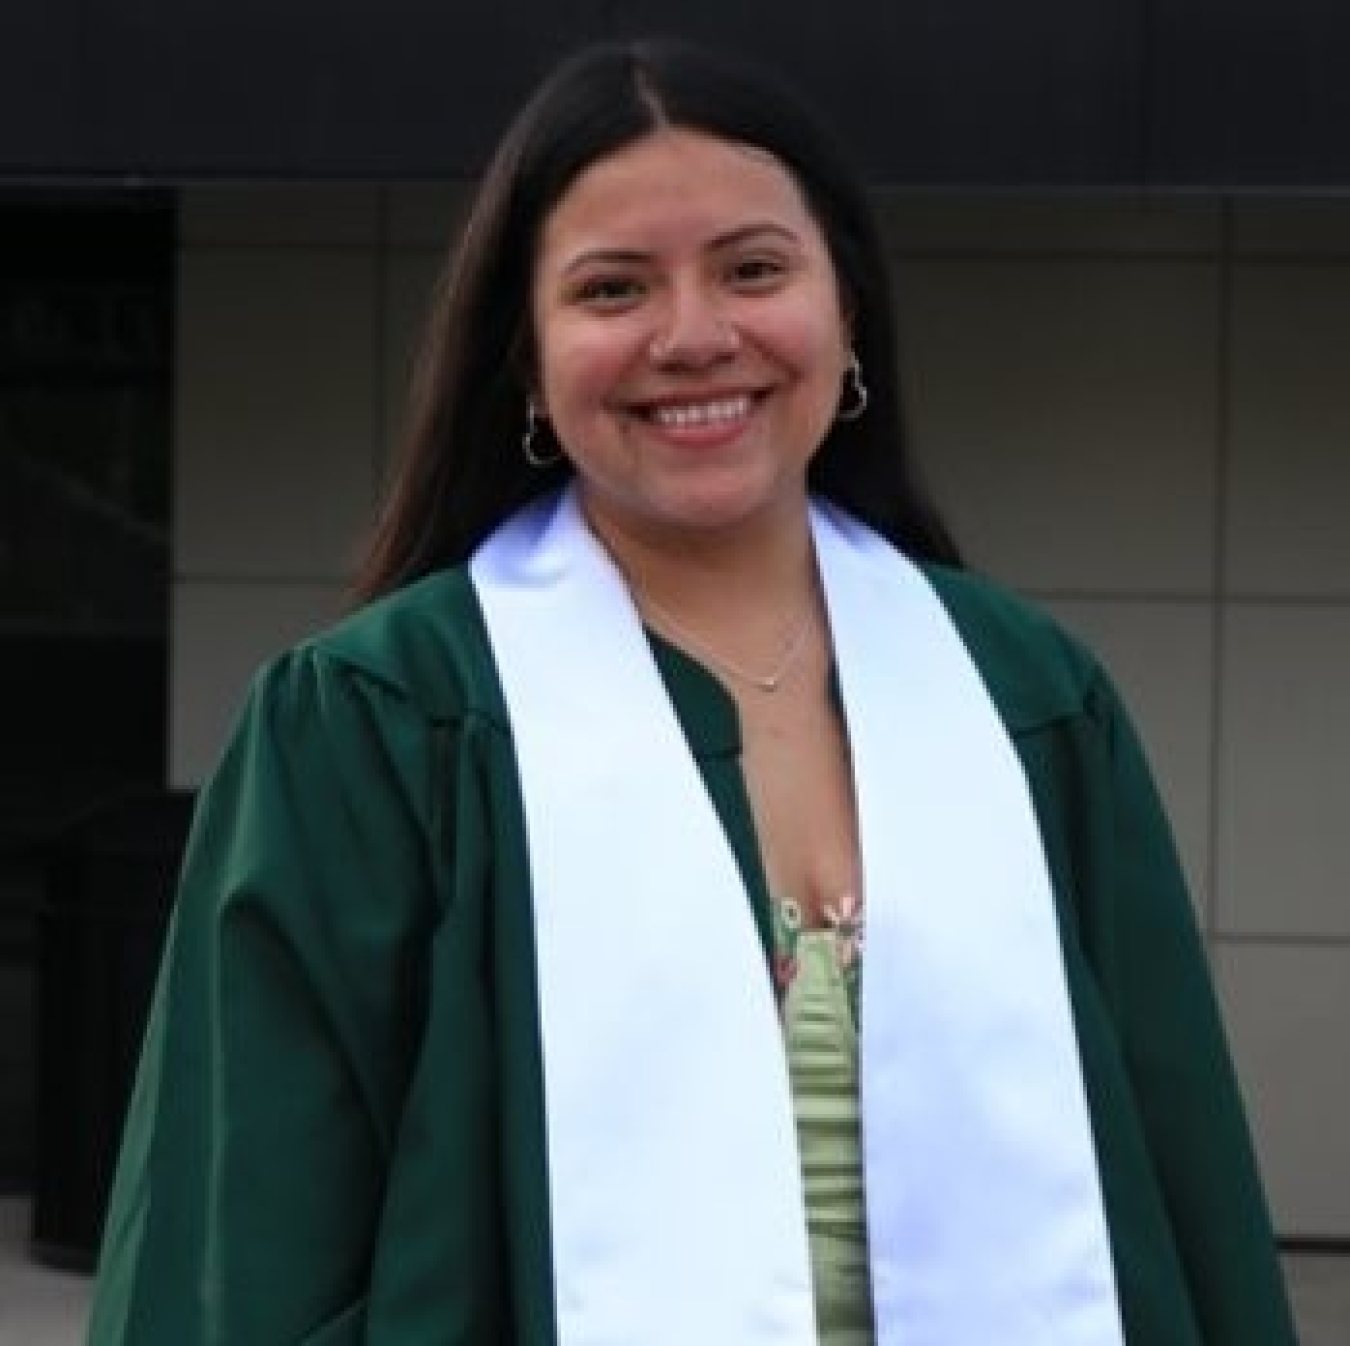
x: 690, y: 336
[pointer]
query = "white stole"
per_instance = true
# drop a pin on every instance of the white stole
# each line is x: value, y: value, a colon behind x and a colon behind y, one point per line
x: 674, y: 1178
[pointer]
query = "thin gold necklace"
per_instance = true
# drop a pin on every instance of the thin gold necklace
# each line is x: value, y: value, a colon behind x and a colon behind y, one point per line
x: 794, y: 642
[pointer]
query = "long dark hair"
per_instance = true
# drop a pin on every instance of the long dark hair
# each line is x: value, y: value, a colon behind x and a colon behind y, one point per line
x: 461, y: 471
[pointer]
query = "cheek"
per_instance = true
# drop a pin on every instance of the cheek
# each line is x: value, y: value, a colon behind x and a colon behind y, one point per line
x: 814, y: 339
x: 823, y: 363
x: 580, y: 373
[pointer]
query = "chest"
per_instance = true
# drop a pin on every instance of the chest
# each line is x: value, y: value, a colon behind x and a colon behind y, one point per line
x: 799, y: 779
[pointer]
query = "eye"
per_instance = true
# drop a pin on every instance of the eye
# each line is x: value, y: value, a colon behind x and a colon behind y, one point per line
x: 608, y: 292
x: 757, y: 272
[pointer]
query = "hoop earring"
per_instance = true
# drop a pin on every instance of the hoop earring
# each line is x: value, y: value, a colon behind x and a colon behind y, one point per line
x: 857, y: 387
x: 532, y: 455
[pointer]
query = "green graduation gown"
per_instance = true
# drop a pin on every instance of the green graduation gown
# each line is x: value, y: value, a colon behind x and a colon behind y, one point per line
x: 337, y: 1131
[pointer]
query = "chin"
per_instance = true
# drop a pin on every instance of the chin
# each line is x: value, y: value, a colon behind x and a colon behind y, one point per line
x: 700, y: 507
x: 730, y: 508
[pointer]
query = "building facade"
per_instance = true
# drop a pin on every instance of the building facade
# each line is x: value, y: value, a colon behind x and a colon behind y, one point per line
x: 1125, y: 302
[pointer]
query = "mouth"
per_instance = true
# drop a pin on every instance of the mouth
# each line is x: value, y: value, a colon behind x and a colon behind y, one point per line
x: 707, y: 413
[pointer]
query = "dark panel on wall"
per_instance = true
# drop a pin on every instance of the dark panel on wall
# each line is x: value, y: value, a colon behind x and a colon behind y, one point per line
x: 950, y: 91
x: 930, y: 90
x: 41, y: 47
x: 1250, y: 93
x: 942, y: 92
x: 316, y: 87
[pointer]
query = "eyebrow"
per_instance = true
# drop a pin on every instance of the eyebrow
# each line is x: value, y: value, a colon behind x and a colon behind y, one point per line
x: 730, y: 239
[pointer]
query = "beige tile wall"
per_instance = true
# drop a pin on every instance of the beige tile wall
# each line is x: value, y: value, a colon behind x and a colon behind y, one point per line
x: 297, y: 314
x: 1079, y: 391
x: 1140, y: 413
x: 1135, y: 411
x: 277, y: 409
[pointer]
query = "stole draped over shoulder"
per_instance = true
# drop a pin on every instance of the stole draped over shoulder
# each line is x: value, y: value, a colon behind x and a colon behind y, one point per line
x: 975, y: 1069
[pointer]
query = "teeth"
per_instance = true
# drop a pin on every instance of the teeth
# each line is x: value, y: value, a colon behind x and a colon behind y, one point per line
x: 703, y: 413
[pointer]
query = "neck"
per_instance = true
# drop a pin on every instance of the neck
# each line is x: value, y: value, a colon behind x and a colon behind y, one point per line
x: 715, y: 576
x: 749, y: 605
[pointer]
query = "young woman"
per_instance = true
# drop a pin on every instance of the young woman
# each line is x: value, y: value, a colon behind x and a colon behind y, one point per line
x: 680, y: 905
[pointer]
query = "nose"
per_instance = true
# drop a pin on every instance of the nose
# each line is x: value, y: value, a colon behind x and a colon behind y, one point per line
x: 694, y: 330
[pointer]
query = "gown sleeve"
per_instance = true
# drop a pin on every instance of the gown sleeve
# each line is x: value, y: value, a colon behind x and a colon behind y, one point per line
x: 284, y: 1023
x: 1153, y: 970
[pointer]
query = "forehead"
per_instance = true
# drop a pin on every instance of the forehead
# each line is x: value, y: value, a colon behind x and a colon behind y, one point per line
x: 675, y: 186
